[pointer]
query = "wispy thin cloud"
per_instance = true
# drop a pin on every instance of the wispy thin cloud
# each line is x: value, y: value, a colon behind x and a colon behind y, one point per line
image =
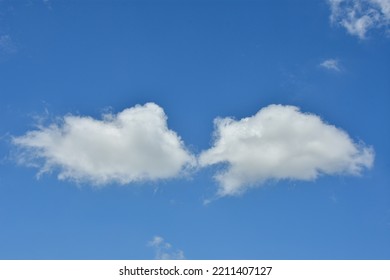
x: 47, y: 3
x: 334, y: 198
x: 7, y: 45
x: 358, y: 17
x: 133, y: 145
x: 280, y: 142
x: 164, y: 250
x: 331, y: 64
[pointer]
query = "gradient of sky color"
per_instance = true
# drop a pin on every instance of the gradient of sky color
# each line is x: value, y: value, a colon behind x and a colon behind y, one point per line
x: 197, y: 61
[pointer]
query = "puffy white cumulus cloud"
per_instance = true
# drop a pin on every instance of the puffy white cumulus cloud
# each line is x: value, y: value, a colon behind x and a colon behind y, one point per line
x: 280, y: 142
x: 133, y: 145
x: 359, y: 16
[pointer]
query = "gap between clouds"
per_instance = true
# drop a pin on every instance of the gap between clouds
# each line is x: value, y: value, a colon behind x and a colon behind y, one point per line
x: 136, y: 145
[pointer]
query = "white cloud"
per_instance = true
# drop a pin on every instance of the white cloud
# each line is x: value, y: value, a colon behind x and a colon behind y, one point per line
x: 280, y: 142
x: 164, y: 250
x: 133, y: 145
x: 359, y: 16
x: 331, y: 64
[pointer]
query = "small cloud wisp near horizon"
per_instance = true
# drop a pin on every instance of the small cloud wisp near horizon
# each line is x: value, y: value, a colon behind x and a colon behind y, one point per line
x: 280, y: 142
x: 131, y: 146
x: 164, y: 250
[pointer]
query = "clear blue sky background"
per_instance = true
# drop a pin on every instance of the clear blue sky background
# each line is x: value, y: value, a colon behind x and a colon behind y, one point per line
x: 197, y: 60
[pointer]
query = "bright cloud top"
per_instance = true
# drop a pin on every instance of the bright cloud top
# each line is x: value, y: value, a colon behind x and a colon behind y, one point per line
x: 331, y: 64
x: 359, y: 16
x: 280, y: 142
x: 134, y: 145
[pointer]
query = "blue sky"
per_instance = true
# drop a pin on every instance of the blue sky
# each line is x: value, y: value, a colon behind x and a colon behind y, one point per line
x: 194, y: 129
